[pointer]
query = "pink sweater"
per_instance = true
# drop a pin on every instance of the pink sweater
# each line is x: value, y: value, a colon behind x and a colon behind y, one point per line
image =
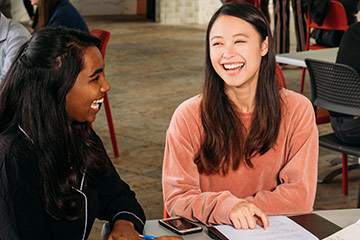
x: 282, y: 181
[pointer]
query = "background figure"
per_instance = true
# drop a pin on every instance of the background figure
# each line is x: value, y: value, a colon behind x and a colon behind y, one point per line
x: 58, y: 13
x: 29, y: 9
x: 12, y: 36
x: 5, y: 7
x: 347, y: 127
x: 351, y: 7
x: 281, y: 23
x: 264, y: 6
x: 318, y: 10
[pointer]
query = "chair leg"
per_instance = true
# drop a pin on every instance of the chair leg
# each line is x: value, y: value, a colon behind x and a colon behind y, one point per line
x: 344, y: 174
x: 302, y: 80
x: 358, y: 201
x: 111, y: 125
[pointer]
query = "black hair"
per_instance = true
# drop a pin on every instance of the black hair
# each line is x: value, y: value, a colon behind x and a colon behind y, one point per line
x: 32, y: 97
x: 225, y: 142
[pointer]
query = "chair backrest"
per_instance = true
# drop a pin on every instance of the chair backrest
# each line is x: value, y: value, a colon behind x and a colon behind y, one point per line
x: 104, y: 37
x: 334, y: 87
x: 335, y: 19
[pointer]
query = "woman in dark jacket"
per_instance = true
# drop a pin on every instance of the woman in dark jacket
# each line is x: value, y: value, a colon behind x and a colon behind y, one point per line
x: 347, y: 127
x: 51, y: 13
x: 55, y: 175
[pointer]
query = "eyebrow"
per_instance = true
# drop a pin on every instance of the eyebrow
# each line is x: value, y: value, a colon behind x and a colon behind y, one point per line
x: 235, y: 35
x: 241, y: 34
x: 96, y: 72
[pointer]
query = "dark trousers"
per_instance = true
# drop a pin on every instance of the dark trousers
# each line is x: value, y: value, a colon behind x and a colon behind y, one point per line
x: 346, y: 128
x: 281, y: 22
x: 29, y: 8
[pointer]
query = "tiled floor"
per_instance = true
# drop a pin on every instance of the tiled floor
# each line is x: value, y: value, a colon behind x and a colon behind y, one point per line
x: 152, y: 68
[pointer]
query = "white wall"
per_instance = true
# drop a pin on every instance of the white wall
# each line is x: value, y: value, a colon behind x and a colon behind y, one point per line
x: 185, y: 11
x: 18, y: 11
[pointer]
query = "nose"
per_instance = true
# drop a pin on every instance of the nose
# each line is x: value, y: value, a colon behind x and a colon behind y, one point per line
x: 228, y: 52
x: 104, y: 85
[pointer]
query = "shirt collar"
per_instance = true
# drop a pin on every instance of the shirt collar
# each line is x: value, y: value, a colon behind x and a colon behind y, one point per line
x: 4, y: 26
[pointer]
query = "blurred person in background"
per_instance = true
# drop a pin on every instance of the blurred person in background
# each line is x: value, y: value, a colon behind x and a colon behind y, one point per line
x: 58, y: 13
x: 12, y: 36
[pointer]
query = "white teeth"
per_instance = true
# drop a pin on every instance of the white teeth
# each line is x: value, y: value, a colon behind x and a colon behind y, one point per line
x: 99, y: 101
x: 233, y: 66
x: 96, y: 104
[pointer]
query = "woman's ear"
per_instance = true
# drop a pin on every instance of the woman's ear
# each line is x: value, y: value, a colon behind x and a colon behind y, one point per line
x: 265, y: 47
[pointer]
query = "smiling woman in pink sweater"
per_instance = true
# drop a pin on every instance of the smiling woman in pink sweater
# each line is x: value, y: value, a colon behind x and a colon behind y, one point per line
x: 244, y: 148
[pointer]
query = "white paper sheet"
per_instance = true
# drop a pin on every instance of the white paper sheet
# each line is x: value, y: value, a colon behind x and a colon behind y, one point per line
x: 280, y: 227
x: 351, y: 232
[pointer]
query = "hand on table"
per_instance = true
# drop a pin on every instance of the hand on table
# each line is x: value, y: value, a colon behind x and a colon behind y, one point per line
x: 123, y: 230
x: 247, y: 215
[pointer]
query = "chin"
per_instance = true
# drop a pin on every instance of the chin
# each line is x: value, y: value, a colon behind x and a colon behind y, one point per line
x: 92, y: 119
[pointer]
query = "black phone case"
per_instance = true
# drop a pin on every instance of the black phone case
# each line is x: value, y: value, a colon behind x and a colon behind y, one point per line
x: 178, y: 232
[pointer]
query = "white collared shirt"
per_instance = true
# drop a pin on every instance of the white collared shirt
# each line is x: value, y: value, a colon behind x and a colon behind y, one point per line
x: 12, y: 36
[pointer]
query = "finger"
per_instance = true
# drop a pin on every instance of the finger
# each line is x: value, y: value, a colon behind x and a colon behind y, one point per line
x: 265, y: 221
x: 243, y: 222
x: 236, y: 223
x: 251, y: 220
x: 262, y: 216
x: 169, y: 238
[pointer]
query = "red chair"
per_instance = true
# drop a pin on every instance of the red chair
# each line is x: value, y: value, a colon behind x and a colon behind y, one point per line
x: 335, y: 19
x: 104, y: 36
x: 280, y: 76
x: 165, y: 214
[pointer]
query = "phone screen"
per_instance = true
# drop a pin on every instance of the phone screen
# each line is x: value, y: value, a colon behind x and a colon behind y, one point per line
x: 180, y: 224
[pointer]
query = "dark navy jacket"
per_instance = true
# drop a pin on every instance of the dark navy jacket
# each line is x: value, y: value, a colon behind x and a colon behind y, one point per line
x: 66, y: 15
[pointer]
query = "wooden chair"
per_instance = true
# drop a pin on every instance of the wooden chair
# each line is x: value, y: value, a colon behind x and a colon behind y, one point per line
x: 104, y: 36
x: 336, y: 87
x: 335, y: 20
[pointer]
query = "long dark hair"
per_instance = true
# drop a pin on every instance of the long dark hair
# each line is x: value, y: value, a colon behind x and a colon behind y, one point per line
x: 46, y: 9
x: 32, y: 97
x: 225, y: 142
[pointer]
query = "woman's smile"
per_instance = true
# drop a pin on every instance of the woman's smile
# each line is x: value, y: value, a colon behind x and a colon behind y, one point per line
x: 96, y: 104
x: 233, y: 68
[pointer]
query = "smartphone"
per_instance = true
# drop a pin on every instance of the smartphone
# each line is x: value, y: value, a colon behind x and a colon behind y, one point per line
x: 180, y: 225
